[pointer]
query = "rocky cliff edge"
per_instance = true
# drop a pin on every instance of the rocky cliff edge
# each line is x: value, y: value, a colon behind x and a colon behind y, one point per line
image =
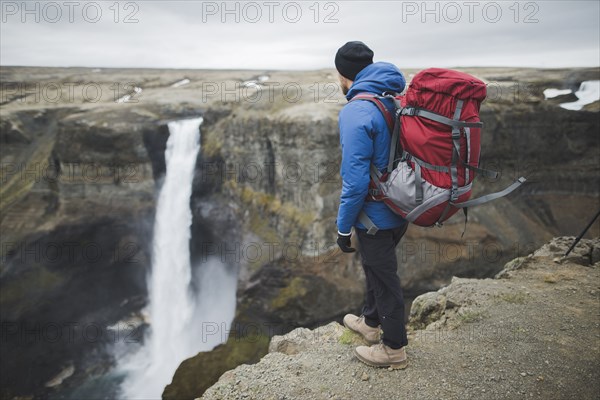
x: 531, y: 332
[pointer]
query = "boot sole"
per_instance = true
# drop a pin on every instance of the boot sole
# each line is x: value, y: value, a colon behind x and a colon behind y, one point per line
x: 361, y: 335
x: 400, y: 365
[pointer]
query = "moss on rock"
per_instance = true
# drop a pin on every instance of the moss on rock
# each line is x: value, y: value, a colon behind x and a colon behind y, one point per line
x: 198, y: 373
x: 295, y: 289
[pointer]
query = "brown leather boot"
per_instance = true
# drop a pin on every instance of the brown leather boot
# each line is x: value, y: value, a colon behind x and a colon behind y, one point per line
x: 358, y: 325
x: 380, y: 355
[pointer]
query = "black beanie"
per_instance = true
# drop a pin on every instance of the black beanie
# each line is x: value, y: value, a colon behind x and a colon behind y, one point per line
x: 352, y: 57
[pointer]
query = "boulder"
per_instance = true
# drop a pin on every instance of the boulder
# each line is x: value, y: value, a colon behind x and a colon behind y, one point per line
x: 427, y: 308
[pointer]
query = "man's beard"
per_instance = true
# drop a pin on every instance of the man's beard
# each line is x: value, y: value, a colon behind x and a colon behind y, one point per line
x: 345, y: 89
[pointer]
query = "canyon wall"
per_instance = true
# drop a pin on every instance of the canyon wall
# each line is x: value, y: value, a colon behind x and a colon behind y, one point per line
x: 80, y: 177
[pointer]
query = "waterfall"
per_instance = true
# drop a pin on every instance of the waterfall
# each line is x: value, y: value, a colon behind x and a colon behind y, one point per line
x: 179, y: 317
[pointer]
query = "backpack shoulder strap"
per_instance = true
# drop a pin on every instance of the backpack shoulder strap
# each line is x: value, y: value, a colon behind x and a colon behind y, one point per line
x: 387, y: 115
x: 375, y: 174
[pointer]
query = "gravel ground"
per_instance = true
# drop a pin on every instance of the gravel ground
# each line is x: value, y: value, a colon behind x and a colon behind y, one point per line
x: 532, y: 333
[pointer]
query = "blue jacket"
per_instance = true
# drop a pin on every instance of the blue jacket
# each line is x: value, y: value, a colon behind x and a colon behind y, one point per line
x: 365, y: 139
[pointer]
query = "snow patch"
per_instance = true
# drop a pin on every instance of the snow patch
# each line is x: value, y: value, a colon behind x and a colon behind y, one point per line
x: 253, y: 84
x: 588, y: 93
x: 552, y: 93
x: 127, y: 97
x: 256, y: 83
x: 181, y: 83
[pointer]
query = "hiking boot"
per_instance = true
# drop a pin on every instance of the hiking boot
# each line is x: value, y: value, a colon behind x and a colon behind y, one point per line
x: 358, y: 325
x: 380, y: 355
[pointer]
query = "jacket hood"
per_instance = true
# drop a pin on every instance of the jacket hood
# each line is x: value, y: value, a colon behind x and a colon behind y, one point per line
x: 377, y: 78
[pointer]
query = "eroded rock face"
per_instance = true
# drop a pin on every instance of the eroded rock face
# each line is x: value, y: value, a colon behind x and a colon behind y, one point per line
x: 76, y: 226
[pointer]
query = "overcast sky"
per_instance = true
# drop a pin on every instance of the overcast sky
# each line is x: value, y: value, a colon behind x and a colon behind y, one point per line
x: 298, y: 35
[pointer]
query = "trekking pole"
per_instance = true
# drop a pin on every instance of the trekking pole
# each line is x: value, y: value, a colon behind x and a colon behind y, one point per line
x: 581, y: 234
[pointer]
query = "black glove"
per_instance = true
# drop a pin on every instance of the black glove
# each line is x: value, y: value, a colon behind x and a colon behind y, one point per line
x: 344, y: 242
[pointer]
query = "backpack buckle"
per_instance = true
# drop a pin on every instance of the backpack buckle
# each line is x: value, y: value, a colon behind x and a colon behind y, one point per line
x: 453, y: 195
x: 410, y: 111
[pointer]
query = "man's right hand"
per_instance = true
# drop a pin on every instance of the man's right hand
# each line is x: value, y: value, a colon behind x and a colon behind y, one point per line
x: 344, y: 242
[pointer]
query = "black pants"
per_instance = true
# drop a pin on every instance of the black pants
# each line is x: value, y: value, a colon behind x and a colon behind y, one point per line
x: 384, y: 301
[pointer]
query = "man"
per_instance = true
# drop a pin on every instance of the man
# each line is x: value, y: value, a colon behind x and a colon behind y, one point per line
x: 365, y: 139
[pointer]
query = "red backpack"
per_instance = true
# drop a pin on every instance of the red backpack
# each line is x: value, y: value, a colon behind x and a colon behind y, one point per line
x: 434, y: 151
